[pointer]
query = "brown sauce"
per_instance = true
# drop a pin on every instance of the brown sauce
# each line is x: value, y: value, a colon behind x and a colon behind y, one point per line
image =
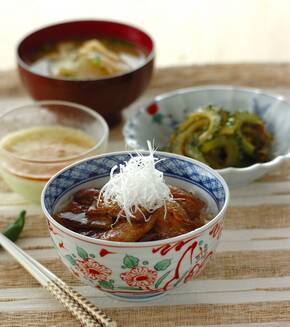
x: 87, y: 217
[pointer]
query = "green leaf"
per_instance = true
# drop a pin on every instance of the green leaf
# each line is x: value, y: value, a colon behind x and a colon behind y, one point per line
x: 157, y: 118
x: 161, y: 279
x: 107, y: 284
x: 163, y: 264
x: 70, y: 259
x: 96, y: 60
x: 13, y: 230
x: 82, y: 253
x: 130, y: 262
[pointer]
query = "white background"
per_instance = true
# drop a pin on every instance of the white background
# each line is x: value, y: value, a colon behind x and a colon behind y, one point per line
x: 185, y: 31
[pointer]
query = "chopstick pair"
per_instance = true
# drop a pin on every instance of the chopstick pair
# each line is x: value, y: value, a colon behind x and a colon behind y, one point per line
x: 82, y: 309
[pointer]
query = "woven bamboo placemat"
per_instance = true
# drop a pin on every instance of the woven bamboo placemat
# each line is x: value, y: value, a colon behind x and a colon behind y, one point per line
x: 248, y: 282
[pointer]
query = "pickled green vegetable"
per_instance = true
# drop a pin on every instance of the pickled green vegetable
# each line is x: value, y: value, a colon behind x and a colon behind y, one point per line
x: 222, y: 139
x: 221, y: 152
x: 201, y: 125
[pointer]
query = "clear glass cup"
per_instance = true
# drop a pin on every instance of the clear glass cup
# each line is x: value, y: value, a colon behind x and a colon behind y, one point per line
x: 27, y: 176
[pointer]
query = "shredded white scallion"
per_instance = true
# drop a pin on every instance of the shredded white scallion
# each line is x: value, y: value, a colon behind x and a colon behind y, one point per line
x: 138, y: 185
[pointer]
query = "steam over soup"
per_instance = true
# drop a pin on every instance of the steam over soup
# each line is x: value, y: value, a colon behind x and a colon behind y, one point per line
x: 90, y: 59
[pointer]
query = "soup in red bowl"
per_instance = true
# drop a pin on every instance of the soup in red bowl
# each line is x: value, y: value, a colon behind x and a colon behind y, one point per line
x: 101, y: 64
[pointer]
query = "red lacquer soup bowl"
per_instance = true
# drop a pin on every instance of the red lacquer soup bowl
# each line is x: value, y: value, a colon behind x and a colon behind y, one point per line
x: 137, y: 270
x: 107, y: 95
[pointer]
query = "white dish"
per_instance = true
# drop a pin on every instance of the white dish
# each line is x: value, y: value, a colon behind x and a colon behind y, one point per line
x: 157, y: 120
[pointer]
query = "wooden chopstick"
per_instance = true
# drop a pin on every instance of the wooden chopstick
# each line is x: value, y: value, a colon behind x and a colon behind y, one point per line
x: 97, y: 313
x: 77, y: 305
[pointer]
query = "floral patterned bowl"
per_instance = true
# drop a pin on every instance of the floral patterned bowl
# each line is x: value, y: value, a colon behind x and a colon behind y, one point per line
x: 157, y: 121
x: 139, y: 270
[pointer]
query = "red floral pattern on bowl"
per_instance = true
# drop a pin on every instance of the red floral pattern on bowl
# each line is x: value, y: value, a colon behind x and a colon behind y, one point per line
x: 92, y: 269
x: 142, y: 277
x: 147, y: 270
x: 152, y: 108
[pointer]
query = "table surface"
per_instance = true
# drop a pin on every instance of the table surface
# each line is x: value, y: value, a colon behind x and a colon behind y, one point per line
x: 248, y: 282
